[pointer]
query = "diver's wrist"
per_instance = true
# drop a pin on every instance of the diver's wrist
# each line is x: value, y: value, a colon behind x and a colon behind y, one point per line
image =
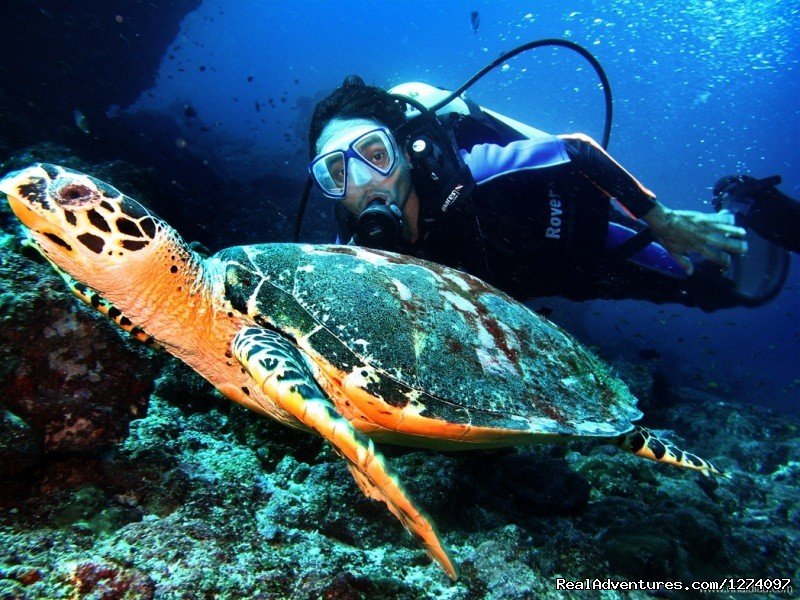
x: 657, y: 216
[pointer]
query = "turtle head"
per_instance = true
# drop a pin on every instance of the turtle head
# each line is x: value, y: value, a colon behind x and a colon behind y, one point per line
x: 78, y: 222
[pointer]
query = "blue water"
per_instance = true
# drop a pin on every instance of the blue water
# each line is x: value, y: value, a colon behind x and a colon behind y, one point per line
x: 701, y: 90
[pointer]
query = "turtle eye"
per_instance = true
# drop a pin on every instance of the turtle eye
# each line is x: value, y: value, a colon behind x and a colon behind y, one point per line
x: 74, y: 194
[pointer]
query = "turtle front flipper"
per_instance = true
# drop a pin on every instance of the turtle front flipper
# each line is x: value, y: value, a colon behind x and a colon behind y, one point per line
x: 281, y: 372
x: 643, y: 442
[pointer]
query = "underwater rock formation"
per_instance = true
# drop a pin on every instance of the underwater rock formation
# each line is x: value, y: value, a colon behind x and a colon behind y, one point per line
x: 85, y: 55
x: 20, y: 447
x: 68, y: 381
x: 187, y: 507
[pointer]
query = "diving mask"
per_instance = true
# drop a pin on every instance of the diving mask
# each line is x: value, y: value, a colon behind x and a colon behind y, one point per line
x: 373, y: 151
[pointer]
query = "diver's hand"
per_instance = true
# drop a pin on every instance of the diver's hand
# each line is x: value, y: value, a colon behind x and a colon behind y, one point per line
x: 682, y: 232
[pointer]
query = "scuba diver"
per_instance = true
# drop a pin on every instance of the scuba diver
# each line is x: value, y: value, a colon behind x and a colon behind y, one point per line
x: 536, y: 214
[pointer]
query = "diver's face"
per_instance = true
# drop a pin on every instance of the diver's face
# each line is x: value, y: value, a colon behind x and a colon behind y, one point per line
x: 365, y: 185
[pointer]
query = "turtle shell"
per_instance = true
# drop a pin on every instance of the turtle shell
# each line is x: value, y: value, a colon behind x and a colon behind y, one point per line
x: 430, y: 336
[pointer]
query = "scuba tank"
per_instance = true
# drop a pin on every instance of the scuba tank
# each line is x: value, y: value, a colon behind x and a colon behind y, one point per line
x: 501, y: 129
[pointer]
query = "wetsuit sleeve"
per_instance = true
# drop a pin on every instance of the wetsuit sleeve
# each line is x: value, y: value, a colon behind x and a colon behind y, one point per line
x: 607, y: 174
x: 490, y: 161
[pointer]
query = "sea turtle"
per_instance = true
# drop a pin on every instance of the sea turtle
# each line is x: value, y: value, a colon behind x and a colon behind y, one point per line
x: 356, y: 345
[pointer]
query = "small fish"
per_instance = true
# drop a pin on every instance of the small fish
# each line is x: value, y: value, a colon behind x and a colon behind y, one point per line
x: 544, y: 311
x: 188, y: 111
x: 258, y: 106
x: 649, y: 354
x: 475, y: 19
x: 80, y: 121
x: 249, y: 78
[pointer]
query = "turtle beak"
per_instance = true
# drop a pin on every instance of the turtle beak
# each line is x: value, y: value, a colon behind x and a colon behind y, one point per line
x: 26, y: 191
x: 7, y: 183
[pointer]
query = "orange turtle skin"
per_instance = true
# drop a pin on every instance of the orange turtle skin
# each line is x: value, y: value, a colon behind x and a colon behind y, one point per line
x: 351, y: 344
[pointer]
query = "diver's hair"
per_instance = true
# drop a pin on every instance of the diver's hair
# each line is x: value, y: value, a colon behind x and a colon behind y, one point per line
x: 355, y: 100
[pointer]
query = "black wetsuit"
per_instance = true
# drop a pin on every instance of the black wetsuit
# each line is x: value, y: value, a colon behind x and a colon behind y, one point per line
x: 540, y: 222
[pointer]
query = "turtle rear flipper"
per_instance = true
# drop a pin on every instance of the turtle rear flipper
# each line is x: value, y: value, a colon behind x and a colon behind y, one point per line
x: 281, y: 372
x: 643, y: 442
